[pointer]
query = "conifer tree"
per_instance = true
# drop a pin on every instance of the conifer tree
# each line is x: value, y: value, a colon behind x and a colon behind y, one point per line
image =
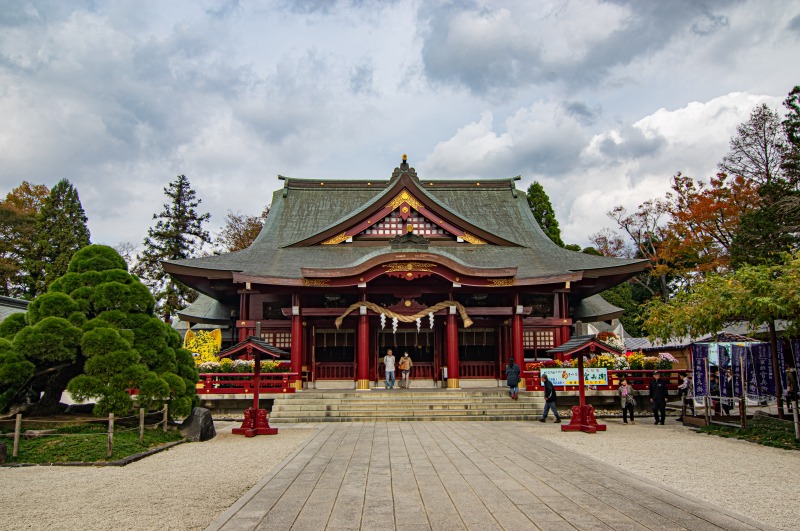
x: 178, y: 234
x: 543, y: 211
x: 94, y: 333
x: 17, y: 233
x: 61, y: 230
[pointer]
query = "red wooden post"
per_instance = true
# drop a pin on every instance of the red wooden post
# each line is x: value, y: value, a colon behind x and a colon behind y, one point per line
x: 256, y: 421
x: 297, y: 339
x: 363, y: 352
x: 452, y: 349
x: 583, y: 414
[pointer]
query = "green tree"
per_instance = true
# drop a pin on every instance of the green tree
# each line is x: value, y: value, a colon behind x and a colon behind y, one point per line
x: 61, y: 230
x: 17, y: 233
x: 543, y: 212
x: 756, y: 294
x: 95, y: 334
x: 178, y: 234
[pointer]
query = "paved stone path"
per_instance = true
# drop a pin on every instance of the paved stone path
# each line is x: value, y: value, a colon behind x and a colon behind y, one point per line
x: 457, y: 475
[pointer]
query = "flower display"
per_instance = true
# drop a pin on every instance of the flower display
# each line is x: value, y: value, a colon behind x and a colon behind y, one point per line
x: 226, y: 365
x: 205, y: 344
x: 544, y: 364
x: 612, y: 340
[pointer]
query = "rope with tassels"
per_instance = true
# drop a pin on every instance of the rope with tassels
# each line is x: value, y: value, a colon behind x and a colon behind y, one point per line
x: 407, y: 318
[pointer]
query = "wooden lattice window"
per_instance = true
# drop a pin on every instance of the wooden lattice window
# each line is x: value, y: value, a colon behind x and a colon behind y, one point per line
x: 545, y: 339
x: 393, y: 224
x: 281, y: 340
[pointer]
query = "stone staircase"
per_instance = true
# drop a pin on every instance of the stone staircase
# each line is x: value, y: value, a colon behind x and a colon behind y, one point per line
x: 403, y: 405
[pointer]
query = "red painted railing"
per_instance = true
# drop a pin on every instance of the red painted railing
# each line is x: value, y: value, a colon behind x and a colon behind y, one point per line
x: 419, y: 370
x: 638, y: 379
x: 334, y: 371
x: 220, y: 383
x: 477, y: 369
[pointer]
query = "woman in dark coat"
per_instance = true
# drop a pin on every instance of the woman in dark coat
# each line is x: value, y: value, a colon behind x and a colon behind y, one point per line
x: 512, y: 378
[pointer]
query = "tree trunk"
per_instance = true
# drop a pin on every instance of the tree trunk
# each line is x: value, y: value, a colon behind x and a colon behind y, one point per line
x: 773, y: 345
x: 54, y: 386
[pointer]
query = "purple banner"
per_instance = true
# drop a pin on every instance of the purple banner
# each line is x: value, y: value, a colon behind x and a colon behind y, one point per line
x: 699, y: 358
x: 762, y: 366
x: 739, y: 359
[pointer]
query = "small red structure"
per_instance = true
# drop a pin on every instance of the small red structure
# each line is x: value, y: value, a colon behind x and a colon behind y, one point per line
x: 256, y: 420
x: 583, y: 415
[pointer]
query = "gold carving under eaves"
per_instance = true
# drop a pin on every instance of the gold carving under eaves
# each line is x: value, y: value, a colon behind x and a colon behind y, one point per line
x: 501, y: 281
x: 469, y: 238
x: 316, y: 282
x: 339, y: 238
x: 409, y: 266
x: 404, y: 197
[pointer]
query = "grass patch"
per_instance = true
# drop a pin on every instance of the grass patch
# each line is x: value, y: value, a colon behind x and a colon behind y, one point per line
x: 87, y: 443
x: 762, y: 430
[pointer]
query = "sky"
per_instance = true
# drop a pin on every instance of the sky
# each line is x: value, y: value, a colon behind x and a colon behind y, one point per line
x: 600, y: 102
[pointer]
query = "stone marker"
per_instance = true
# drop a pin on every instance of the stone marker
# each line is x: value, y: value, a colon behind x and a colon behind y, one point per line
x: 199, y: 426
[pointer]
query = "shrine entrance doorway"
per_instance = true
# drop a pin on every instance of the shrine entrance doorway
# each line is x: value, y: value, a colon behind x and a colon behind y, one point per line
x: 420, y: 345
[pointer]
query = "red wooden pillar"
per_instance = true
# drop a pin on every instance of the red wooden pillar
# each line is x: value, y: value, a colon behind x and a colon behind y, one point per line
x: 297, y: 341
x: 452, y: 349
x: 362, y: 363
x: 583, y: 418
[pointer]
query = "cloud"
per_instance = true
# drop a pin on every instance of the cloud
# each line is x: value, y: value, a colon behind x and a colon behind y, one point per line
x: 496, y: 47
x: 543, y: 138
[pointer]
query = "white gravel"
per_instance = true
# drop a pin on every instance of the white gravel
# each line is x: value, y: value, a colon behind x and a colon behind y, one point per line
x: 185, y: 487
x: 746, y: 478
x: 188, y: 486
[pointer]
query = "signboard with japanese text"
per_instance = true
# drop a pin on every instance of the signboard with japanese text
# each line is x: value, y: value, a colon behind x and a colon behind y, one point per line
x: 569, y: 376
x: 699, y: 358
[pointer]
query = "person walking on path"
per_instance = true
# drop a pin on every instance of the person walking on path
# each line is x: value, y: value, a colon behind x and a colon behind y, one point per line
x: 686, y: 390
x: 512, y: 378
x: 626, y: 401
x: 388, y: 363
x: 658, y: 396
x: 549, y: 400
x: 405, y: 370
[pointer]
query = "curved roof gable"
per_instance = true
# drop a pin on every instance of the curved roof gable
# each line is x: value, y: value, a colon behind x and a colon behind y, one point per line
x: 403, y: 194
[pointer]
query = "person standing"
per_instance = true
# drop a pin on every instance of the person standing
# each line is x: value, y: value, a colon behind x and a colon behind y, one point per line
x: 388, y: 363
x: 727, y: 392
x: 686, y: 390
x: 512, y: 378
x: 550, y: 399
x: 626, y: 401
x: 658, y: 396
x: 405, y: 369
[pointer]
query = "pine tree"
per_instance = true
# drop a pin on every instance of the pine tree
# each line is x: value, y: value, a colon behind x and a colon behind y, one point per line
x: 178, y: 234
x: 543, y: 211
x: 61, y: 231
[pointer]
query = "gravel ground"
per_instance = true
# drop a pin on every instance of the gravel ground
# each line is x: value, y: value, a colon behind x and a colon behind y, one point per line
x: 743, y: 477
x: 185, y: 487
x: 188, y: 486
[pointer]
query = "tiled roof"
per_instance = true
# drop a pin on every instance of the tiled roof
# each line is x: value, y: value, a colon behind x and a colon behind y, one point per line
x: 10, y: 305
x: 304, y: 208
x: 259, y: 344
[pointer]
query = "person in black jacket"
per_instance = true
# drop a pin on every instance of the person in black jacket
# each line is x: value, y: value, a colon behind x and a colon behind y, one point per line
x: 658, y: 396
x: 549, y: 400
x: 512, y: 379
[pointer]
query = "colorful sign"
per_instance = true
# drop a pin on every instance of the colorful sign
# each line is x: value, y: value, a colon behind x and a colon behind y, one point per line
x: 569, y: 376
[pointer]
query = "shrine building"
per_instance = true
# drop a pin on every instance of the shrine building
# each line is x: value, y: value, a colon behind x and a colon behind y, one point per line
x: 455, y: 272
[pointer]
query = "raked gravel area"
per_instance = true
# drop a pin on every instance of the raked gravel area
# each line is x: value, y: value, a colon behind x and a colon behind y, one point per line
x: 741, y: 476
x: 185, y: 487
x: 188, y: 486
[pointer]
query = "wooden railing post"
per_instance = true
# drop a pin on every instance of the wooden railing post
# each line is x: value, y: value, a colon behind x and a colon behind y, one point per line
x: 110, y: 449
x: 17, y: 430
x: 141, y: 425
x: 166, y: 416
